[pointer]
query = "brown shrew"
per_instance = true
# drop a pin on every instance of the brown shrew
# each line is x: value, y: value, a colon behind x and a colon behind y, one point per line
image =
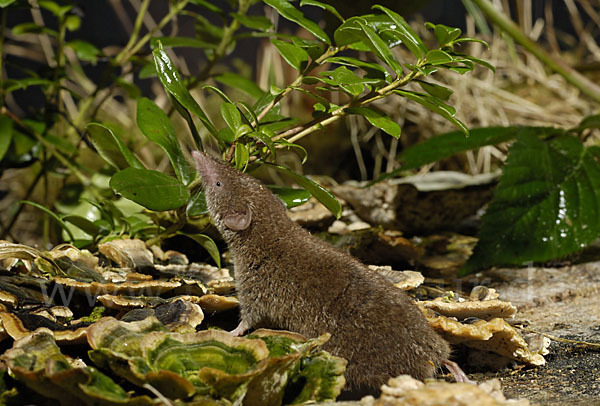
x: 288, y: 279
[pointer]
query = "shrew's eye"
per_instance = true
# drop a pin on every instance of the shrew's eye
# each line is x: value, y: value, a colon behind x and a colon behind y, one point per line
x: 218, y: 183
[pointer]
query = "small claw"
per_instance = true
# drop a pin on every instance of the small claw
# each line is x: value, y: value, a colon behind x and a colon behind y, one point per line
x: 242, y: 328
x: 457, y: 372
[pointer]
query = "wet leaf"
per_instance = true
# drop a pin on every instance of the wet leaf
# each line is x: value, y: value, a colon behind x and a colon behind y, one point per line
x: 380, y: 48
x: 409, y: 37
x: 292, y: 197
x: 169, y: 77
x: 546, y: 205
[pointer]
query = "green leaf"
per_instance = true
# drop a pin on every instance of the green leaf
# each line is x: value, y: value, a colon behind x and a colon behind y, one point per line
x: 151, y: 189
x: 5, y: 3
x: 156, y: 126
x: 111, y: 148
x: 239, y: 82
x: 288, y: 11
x: 130, y: 88
x: 49, y: 212
x: 32, y: 28
x: 592, y: 121
x: 72, y: 22
x: 293, y: 54
x: 313, y: 48
x: 445, y: 35
x: 84, y: 50
x: 446, y: 145
x: 291, y: 197
x: 264, y: 135
x: 467, y: 39
x: 478, y: 61
x: 55, y: 8
x: 373, y: 70
x: 347, y: 80
x: 231, y: 115
x: 298, y: 148
x: 208, y: 244
x: 318, y: 191
x: 209, y: 6
x: 438, y: 57
x: 241, y: 156
x: 377, y: 118
x: 380, y: 48
x: 219, y: 92
x: 19, y: 84
x: 183, y: 112
x: 176, y: 42
x: 169, y: 77
x: 435, y: 105
x: 546, y: 205
x: 260, y: 23
x: 241, y: 131
x: 250, y: 111
x: 409, y: 37
x: 197, y: 205
x: 6, y: 134
x: 147, y: 71
x: 323, y: 6
x: 83, y: 223
x: 350, y: 33
x: 441, y: 92
x: 226, y: 135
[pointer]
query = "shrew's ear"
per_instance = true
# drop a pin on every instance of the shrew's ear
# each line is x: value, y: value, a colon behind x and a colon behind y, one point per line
x: 238, y: 221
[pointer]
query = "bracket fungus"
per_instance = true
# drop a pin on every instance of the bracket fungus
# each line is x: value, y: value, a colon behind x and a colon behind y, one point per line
x: 36, y: 360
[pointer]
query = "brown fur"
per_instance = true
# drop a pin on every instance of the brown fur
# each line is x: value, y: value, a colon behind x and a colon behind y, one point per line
x: 288, y: 279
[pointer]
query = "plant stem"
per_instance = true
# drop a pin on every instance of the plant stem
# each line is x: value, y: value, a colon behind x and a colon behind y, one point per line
x: 298, y: 81
x: 303, y: 130
x: 126, y: 53
x: 585, y: 85
x: 123, y: 55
